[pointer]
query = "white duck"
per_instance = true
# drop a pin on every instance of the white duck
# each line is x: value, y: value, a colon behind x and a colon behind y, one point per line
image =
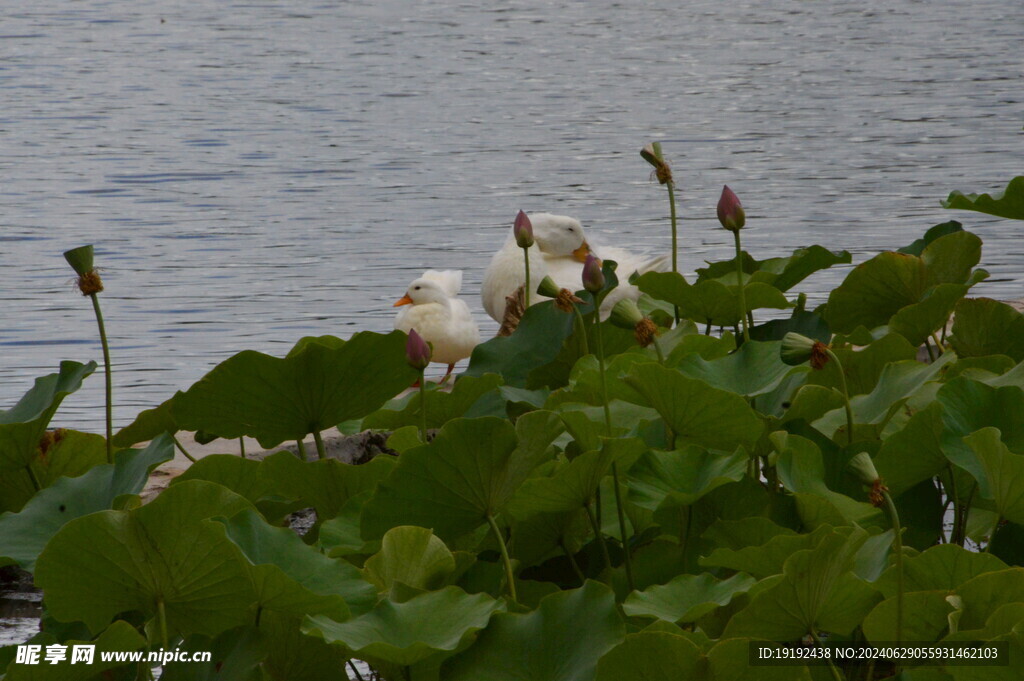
x: 559, y: 251
x: 439, y: 316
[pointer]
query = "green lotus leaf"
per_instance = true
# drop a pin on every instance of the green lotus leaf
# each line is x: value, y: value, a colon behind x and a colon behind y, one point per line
x: 863, y: 366
x: 585, y: 381
x: 547, y: 644
x: 586, y: 424
x: 1003, y: 620
x: 118, y: 637
x: 410, y: 555
x: 326, y: 485
x: 294, y: 656
x: 925, y: 618
x: 785, y: 273
x: 764, y: 560
x: 805, y: 323
x: 696, y: 412
x: 63, y: 453
x: 710, y: 301
x: 1007, y: 543
x: 244, y: 477
x: 818, y: 592
x: 159, y: 552
x: 878, y: 289
x: 801, y: 469
x: 738, y: 534
x: 943, y: 567
x: 899, y: 382
x: 407, y: 633
x: 999, y: 472
x: 22, y: 427
x: 341, y: 535
x: 875, y: 290
x: 1008, y: 204
x: 291, y: 577
x: 536, y: 342
x: 933, y: 233
x: 1005, y: 624
x: 574, y: 484
x: 918, y: 321
x: 650, y: 656
x: 914, y: 453
x: 24, y: 535
x: 681, y: 477
x: 147, y: 425
x: 469, y: 471
x: 983, y: 326
x: 752, y: 370
x: 810, y: 403
x: 986, y: 592
x: 728, y: 660
x: 442, y: 406
x: 274, y: 400
x: 541, y: 535
x: 687, y: 597
x: 235, y: 654
x: 969, y: 406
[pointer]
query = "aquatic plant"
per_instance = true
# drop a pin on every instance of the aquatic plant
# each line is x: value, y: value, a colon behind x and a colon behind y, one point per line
x: 650, y: 510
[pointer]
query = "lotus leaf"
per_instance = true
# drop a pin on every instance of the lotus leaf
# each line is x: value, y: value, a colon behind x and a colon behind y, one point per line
x: 274, y: 400
x: 818, y: 592
x: 291, y: 577
x: 159, y: 553
x: 695, y: 411
x: 687, y: 597
x: 24, y: 535
x: 547, y: 644
x: 1007, y: 204
x: 410, y: 555
x: 442, y: 406
x: 118, y: 637
x: 983, y: 326
x: 651, y: 656
x: 407, y: 633
x: 469, y: 471
x: 22, y: 427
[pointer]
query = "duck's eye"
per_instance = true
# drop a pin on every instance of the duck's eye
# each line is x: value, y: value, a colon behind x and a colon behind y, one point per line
x: 416, y: 288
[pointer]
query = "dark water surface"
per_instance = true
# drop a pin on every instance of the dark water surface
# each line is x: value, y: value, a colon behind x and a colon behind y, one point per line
x: 254, y: 172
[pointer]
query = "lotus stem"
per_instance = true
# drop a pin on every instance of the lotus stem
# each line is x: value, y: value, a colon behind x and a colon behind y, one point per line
x: 897, y: 543
x: 739, y: 283
x: 107, y: 371
x: 657, y: 349
x: 938, y: 344
x: 600, y: 538
x: 162, y: 610
x: 32, y: 476
x: 504, y: 557
x: 241, y: 446
x: 992, y: 537
x: 321, y: 453
x: 928, y: 347
x: 622, y: 528
x: 423, y: 406
x: 582, y: 329
x: 675, y: 242
x: 259, y: 616
x: 846, y: 396
x: 831, y: 665
x: 955, y: 498
x: 302, y: 449
x: 355, y: 670
x: 526, y: 260
x: 183, y: 450
x: 572, y: 561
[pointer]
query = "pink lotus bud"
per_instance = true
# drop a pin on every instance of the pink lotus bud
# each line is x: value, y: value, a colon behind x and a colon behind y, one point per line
x: 730, y: 212
x: 593, y: 277
x: 523, y: 230
x: 417, y: 351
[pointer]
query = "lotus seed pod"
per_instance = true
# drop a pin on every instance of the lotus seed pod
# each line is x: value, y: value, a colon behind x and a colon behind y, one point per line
x: 652, y: 154
x: 730, y: 212
x: 626, y: 314
x: 796, y: 348
x: 863, y: 468
x: 566, y: 300
x: 80, y: 259
x: 593, y: 277
x: 548, y: 288
x: 417, y: 351
x: 522, y: 228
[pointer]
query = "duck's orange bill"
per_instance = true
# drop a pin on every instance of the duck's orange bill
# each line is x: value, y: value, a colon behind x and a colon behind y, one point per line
x: 404, y: 300
x: 581, y: 253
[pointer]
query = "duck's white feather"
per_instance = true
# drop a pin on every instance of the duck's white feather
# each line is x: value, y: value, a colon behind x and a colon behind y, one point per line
x: 442, y: 319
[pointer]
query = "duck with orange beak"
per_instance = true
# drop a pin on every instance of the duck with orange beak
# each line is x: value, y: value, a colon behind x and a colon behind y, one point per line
x: 431, y: 306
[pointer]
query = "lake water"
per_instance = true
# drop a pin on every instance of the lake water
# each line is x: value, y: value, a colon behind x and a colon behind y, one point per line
x: 254, y: 172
